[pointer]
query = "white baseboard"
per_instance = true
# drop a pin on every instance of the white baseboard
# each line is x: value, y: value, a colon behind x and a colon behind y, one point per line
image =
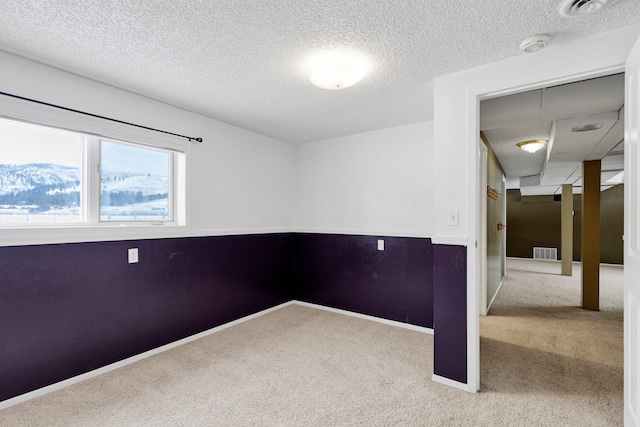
x: 367, y: 317
x: 91, y: 374
x: 451, y: 383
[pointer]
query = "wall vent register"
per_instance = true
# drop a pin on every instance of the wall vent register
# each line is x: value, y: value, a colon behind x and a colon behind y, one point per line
x: 545, y: 253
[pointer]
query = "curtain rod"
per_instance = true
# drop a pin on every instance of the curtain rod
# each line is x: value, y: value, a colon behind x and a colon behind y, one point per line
x: 100, y: 117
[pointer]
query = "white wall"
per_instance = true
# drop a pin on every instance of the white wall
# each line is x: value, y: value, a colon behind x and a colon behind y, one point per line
x: 238, y: 181
x: 376, y: 183
x: 456, y: 115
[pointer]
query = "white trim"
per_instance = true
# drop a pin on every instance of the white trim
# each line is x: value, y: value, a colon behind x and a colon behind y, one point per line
x: 378, y: 233
x: 494, y: 296
x: 107, y: 233
x: 367, y: 317
x: 482, y: 238
x: 451, y: 383
x: 450, y: 240
x: 91, y: 374
x: 238, y: 231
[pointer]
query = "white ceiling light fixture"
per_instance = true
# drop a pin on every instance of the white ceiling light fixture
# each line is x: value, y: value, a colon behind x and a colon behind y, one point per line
x: 574, y: 8
x: 334, y: 71
x: 337, y: 75
x: 534, y: 43
x: 533, y: 145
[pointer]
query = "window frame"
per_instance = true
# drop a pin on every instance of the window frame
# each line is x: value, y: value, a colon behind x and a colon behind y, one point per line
x: 95, y: 164
x: 92, y: 229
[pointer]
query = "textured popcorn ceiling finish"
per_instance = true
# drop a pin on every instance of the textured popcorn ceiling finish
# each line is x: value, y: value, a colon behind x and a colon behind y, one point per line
x: 243, y: 62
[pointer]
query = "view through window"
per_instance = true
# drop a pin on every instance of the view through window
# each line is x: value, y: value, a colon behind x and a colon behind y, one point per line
x: 47, y: 177
x: 134, y: 183
x: 40, y: 174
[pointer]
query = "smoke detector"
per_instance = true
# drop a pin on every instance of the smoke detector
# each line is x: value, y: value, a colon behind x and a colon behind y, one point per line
x: 572, y: 8
x: 535, y: 43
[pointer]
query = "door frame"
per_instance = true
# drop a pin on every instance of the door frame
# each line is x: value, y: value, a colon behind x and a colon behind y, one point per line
x: 457, y: 134
x: 536, y: 82
x: 632, y: 239
x: 503, y: 271
x: 482, y: 225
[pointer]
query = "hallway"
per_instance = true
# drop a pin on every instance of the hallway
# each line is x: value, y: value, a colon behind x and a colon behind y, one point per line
x: 537, y: 340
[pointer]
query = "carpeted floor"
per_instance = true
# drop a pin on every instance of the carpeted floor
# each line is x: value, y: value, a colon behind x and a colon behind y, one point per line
x: 537, y: 343
x: 544, y: 362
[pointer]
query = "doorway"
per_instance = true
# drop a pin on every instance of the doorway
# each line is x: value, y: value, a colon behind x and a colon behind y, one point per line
x: 457, y: 127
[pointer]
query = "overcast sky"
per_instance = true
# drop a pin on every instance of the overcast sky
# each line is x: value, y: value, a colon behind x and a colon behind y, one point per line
x: 22, y: 143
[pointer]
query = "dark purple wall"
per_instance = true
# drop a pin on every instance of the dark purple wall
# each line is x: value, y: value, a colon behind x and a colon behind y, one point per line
x: 68, y: 309
x: 348, y: 272
x: 71, y: 308
x: 450, y: 312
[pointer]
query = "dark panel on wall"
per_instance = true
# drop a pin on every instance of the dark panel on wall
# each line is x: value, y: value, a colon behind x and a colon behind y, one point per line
x: 612, y: 225
x: 450, y: 312
x: 348, y: 272
x: 536, y: 222
x: 71, y: 308
x: 532, y: 222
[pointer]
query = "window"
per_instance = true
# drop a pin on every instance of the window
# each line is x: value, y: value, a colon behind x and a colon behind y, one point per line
x: 50, y: 177
x: 134, y: 183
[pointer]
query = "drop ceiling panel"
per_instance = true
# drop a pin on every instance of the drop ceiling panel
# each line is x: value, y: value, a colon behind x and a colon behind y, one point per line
x: 613, y: 162
x: 583, y: 98
x: 596, y: 100
x: 606, y: 176
x: 516, y: 162
x: 557, y: 176
x: 609, y: 143
x: 575, y: 177
x: 519, y: 108
x: 539, y: 190
x: 577, y: 146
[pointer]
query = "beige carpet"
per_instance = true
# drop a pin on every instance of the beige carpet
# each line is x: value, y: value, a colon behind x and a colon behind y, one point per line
x: 544, y: 362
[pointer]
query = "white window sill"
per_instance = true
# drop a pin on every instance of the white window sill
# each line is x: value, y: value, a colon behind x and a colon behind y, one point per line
x: 75, y: 234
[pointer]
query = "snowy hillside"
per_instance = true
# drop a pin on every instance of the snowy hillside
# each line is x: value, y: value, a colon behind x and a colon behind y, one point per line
x: 22, y: 178
x: 146, y: 184
x: 46, y: 190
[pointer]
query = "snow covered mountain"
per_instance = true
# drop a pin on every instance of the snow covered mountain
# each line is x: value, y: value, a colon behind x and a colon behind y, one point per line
x: 16, y: 179
x: 52, y: 189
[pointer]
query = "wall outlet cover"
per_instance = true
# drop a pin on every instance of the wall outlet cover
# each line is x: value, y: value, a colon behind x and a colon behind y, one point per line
x: 133, y: 255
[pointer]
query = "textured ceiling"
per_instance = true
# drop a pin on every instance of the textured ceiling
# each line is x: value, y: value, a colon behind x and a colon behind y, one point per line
x: 243, y: 62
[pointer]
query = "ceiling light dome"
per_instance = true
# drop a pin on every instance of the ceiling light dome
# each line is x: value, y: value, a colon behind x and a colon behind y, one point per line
x: 337, y: 75
x: 533, y: 145
x: 336, y: 69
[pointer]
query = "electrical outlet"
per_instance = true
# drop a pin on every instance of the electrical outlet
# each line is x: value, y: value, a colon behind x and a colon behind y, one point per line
x: 133, y: 255
x: 381, y: 245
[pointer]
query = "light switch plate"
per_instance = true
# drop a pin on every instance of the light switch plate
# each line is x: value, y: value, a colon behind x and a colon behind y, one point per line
x: 381, y: 245
x: 453, y: 217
